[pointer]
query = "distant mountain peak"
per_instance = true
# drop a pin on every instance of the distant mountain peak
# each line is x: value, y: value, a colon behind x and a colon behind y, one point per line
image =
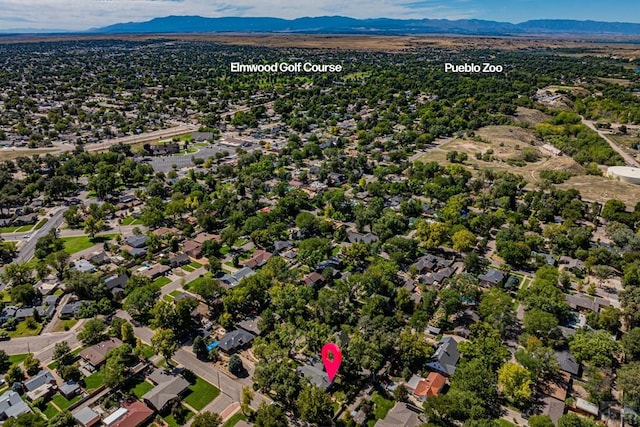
x: 347, y: 25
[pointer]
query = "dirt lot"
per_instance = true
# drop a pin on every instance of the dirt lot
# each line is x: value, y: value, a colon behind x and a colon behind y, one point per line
x: 530, y: 115
x: 507, y: 143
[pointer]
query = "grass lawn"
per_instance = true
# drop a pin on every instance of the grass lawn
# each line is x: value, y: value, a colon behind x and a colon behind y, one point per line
x: 17, y: 358
x: 131, y: 221
x: 62, y: 401
x: 50, y: 411
x: 10, y: 229
x: 93, y: 381
x: 147, y: 351
x: 76, y: 244
x: 58, y: 292
x: 22, y: 330
x: 172, y: 421
x: 25, y: 228
x: 235, y: 419
x: 194, y: 282
x: 175, y: 293
x: 64, y: 325
x: 161, y: 281
x: 188, y: 268
x: 224, y: 250
x: 167, y: 298
x: 201, y: 394
x: 40, y: 224
x: 141, y: 388
x: 383, y: 406
x: 504, y: 423
x: 194, y: 264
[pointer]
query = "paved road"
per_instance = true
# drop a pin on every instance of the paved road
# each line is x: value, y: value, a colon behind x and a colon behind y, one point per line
x: 41, y: 345
x: 626, y: 156
x: 165, y: 164
x: 144, y: 137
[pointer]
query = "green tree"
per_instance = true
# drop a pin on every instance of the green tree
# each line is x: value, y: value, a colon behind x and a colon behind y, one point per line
x: 17, y: 274
x: 463, y: 240
x: 631, y: 344
x: 514, y: 382
x: 31, y: 364
x: 14, y: 375
x: 315, y: 406
x: 629, y: 380
x: 92, y: 332
x: 270, y: 416
x: 432, y: 234
x: 539, y: 323
x: 595, y: 347
x: 206, y: 419
x: 93, y: 226
x: 200, y: 348
x: 247, y: 398
x: 62, y: 353
x: 235, y: 364
x: 314, y: 250
x: 164, y: 342
x: 63, y: 419
x: 126, y: 333
x: 540, y: 421
x: 26, y: 420
x: 5, y: 362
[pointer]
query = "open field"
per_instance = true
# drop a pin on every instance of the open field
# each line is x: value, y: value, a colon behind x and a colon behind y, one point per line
x: 373, y: 42
x: 507, y: 143
x: 11, y: 154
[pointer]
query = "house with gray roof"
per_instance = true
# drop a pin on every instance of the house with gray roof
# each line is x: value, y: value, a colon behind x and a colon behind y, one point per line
x: 315, y: 374
x: 568, y: 363
x: 492, y: 277
x: 446, y: 357
x: 235, y: 340
x: 84, y: 266
x: 169, y: 389
x: 41, y: 378
x: 12, y: 405
x: 402, y: 415
x: 137, y: 241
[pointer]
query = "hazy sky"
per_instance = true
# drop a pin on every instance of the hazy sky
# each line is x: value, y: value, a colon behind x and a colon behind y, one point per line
x: 84, y: 14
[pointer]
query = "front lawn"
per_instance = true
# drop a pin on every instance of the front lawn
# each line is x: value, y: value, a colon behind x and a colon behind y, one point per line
x: 188, y: 268
x: 175, y: 293
x: 131, y: 221
x: 93, y: 381
x: 26, y: 328
x: 194, y: 264
x: 148, y: 351
x: 76, y: 244
x: 16, y: 359
x: 161, y: 281
x: 382, y: 407
x: 62, y: 401
x: 201, y: 394
x: 64, y: 325
x: 169, y: 419
x: 235, y: 419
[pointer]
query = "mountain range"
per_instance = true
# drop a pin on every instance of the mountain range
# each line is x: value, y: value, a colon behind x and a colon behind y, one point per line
x: 345, y: 25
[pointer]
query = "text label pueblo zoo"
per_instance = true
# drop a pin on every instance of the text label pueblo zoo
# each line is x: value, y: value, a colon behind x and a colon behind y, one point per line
x: 472, y: 68
x: 285, y: 67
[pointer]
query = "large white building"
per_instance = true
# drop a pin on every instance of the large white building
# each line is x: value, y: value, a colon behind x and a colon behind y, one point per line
x: 625, y: 173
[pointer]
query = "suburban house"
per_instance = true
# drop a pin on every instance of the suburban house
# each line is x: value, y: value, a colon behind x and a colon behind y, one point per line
x: 192, y: 249
x: 116, y: 284
x: 12, y: 405
x: 313, y: 279
x: 491, y: 278
x: 446, y: 357
x: 69, y: 389
x: 232, y: 280
x: 355, y: 237
x: 423, y: 388
x: 250, y: 324
x: 137, y: 241
x: 87, y: 417
x: 402, y: 415
x: 158, y: 270
x: 96, y: 354
x: 132, y: 413
x: 431, y: 263
x: 84, y: 266
x: 70, y: 309
x: 235, y: 341
x: 315, y: 374
x: 568, y: 363
x: 40, y: 385
x: 179, y: 260
x: 168, y: 388
x: 258, y: 259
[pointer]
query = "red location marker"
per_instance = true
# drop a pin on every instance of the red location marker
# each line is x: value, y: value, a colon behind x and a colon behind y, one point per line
x: 331, y: 357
